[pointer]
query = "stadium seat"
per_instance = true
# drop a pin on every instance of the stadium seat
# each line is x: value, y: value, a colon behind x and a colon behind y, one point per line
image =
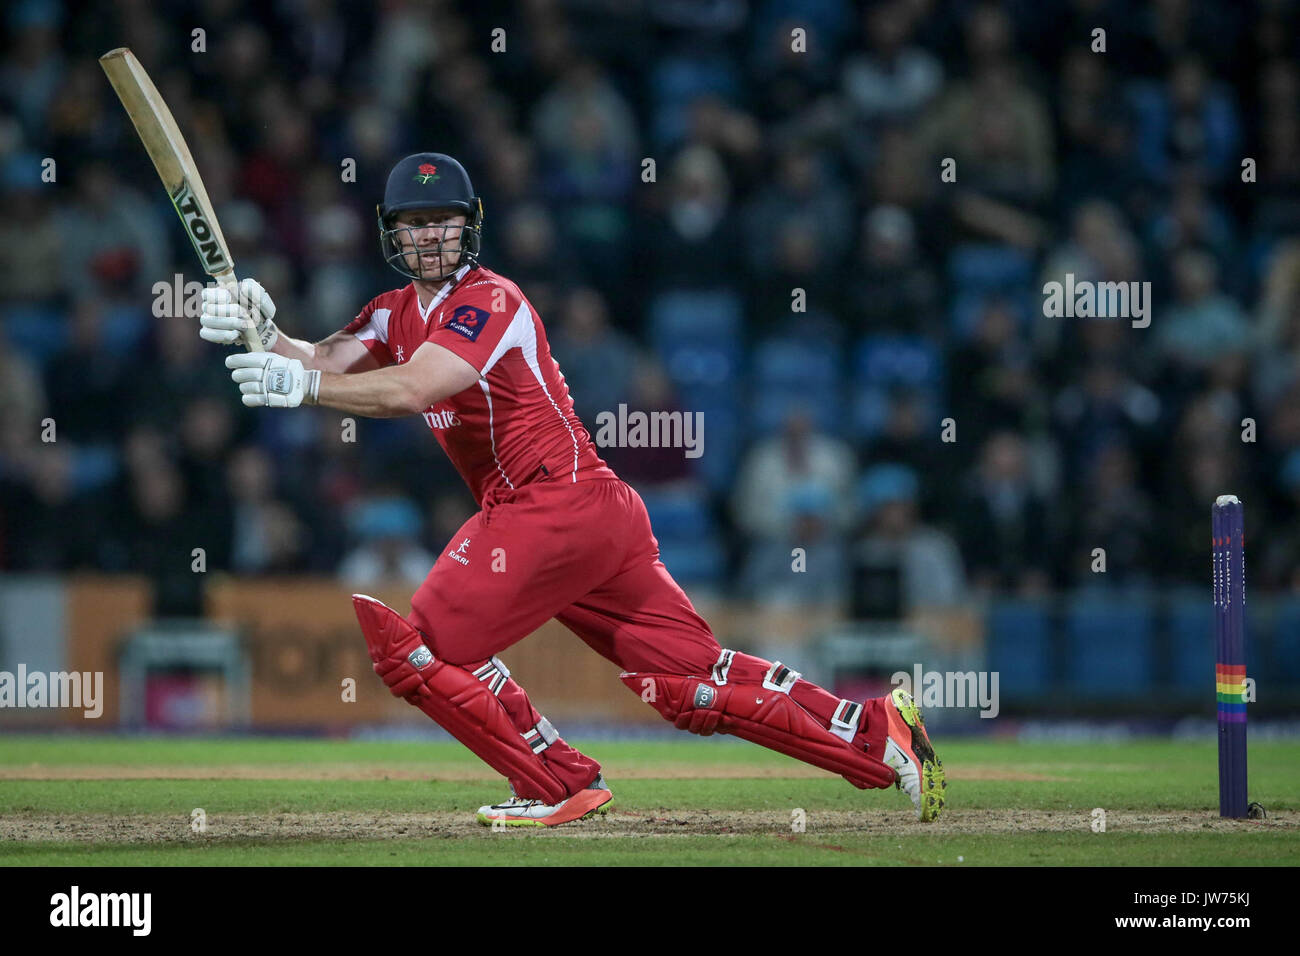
x: 789, y: 361
x: 38, y: 332
x: 987, y: 267
x: 712, y: 315
x: 696, y: 335
x: 723, y: 439
x: 125, y: 328
x: 884, y: 363
x: 677, y: 81
x: 1190, y: 626
x: 94, y: 466
x: 789, y: 373
x: 1285, y: 663
x: 964, y: 314
x: 1019, y: 647
x: 699, y: 563
x: 689, y: 544
x: 1108, y: 646
x: 886, y: 360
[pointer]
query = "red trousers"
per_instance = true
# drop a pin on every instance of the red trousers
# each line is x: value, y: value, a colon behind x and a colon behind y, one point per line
x: 584, y: 554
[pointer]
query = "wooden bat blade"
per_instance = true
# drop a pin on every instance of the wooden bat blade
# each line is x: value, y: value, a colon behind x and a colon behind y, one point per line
x: 171, y: 157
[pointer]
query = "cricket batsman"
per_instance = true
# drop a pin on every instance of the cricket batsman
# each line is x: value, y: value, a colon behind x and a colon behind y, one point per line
x: 557, y: 534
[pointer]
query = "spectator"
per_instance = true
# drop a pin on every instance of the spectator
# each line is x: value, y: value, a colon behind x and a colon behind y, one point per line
x: 994, y: 380
x: 808, y: 568
x: 893, y: 289
x: 598, y: 361
x: 1203, y: 322
x: 892, y: 79
x: 693, y: 242
x: 1007, y: 528
x: 267, y: 535
x: 927, y: 561
x: 387, y: 529
x: 1112, y: 513
x: 112, y: 231
x: 799, y: 457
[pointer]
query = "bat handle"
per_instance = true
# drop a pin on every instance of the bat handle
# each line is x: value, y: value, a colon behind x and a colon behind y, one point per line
x: 227, y: 281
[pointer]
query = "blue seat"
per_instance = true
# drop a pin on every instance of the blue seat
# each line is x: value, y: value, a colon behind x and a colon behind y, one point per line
x: 696, y: 365
x: 689, y: 545
x: 902, y: 360
x: 94, y: 466
x: 723, y: 439
x: 1286, y: 643
x: 790, y: 361
x: 125, y: 328
x: 39, y: 332
x: 964, y: 314
x: 771, y: 406
x: 882, y: 363
x: 1019, y: 647
x: 1191, y: 642
x: 988, y: 267
x: 678, y: 515
x: 789, y: 373
x: 697, y: 336
x: 868, y: 410
x: 677, y: 81
x: 1108, y: 646
x: 695, y: 315
x: 696, y: 563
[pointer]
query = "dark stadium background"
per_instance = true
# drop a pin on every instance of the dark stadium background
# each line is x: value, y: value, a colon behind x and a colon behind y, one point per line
x: 774, y: 171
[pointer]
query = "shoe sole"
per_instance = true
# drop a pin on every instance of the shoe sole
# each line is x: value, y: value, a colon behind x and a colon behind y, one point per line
x: 580, y: 805
x: 933, y: 784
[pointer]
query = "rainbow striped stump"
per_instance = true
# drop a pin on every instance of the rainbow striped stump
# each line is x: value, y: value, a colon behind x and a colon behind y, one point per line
x: 1230, y: 643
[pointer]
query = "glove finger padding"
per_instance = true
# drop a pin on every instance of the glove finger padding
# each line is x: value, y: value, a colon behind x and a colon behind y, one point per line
x: 252, y: 295
x: 219, y: 336
x: 217, y: 316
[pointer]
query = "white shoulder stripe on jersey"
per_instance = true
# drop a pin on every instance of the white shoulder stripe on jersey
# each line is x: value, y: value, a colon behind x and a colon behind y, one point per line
x: 377, y: 327
x: 529, y: 348
x: 522, y: 334
x: 516, y: 334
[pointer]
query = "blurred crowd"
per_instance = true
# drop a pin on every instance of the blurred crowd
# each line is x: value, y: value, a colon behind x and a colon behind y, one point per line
x: 865, y: 337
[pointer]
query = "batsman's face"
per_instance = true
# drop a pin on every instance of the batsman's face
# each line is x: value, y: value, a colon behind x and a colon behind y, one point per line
x: 429, y: 240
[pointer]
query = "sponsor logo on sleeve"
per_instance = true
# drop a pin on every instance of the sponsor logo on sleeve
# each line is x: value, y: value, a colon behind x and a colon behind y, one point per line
x: 468, y: 321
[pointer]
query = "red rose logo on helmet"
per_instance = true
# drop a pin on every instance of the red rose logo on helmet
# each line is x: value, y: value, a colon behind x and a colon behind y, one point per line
x: 428, y: 173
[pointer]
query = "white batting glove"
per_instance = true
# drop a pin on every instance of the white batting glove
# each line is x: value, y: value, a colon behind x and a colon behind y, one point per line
x: 225, y: 317
x: 265, y: 378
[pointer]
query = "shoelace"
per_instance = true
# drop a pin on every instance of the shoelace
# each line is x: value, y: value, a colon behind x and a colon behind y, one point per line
x: 514, y: 802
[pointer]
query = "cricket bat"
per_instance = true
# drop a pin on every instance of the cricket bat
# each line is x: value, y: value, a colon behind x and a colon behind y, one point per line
x: 171, y: 157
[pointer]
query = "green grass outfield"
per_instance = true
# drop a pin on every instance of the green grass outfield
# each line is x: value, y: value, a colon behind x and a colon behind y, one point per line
x: 89, y: 800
